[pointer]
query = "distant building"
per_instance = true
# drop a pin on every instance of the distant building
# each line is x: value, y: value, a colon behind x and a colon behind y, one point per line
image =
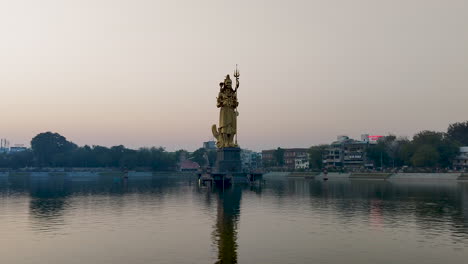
x: 301, y: 163
x: 461, y: 161
x: 17, y: 148
x: 188, y: 165
x: 250, y: 159
x: 4, y: 146
x: 209, y: 145
x: 289, y: 157
x: 348, y: 153
x: 268, y: 157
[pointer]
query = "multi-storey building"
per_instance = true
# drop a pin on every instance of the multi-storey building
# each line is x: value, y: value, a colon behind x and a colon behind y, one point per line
x: 461, y: 161
x: 209, y: 145
x: 17, y: 148
x: 250, y: 159
x: 301, y: 163
x: 268, y: 157
x: 346, y: 152
x: 289, y: 157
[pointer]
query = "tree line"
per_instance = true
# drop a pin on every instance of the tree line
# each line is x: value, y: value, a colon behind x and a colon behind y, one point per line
x: 54, y: 150
x: 430, y: 149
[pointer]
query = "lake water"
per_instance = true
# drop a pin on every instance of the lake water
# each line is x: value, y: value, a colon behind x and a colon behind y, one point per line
x: 168, y: 219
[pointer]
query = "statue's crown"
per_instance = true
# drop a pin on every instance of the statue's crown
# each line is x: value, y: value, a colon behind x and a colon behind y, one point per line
x: 227, y: 80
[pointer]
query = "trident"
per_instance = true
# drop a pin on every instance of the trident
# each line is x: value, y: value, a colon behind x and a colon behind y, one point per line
x: 236, y: 73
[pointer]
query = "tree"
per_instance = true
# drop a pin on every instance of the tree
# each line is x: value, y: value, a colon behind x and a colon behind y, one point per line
x: 212, y: 154
x: 279, y: 156
x: 181, y: 154
x: 198, y: 156
x: 393, y: 147
x: 427, y: 137
x: 425, y: 156
x: 101, y: 156
x: 403, y: 152
x: 459, y: 132
x: 162, y: 160
x: 17, y: 160
x: 46, y: 146
x: 129, y: 159
x: 445, y: 147
x: 316, y: 156
x: 448, y: 150
x: 378, y: 153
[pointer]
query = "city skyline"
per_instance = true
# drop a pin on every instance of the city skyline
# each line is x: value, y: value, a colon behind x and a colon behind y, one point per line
x: 143, y: 73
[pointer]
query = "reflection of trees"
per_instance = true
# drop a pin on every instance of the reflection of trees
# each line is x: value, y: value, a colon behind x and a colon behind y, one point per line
x: 51, y: 194
x: 48, y: 202
x: 433, y: 205
x: 463, y: 187
x: 226, y: 224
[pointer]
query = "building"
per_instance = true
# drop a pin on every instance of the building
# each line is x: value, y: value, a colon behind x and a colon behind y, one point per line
x: 188, y: 165
x: 268, y: 157
x: 250, y: 159
x: 348, y: 153
x: 289, y: 157
x: 17, y: 148
x: 301, y: 163
x: 461, y: 161
x: 4, y: 146
x: 209, y: 145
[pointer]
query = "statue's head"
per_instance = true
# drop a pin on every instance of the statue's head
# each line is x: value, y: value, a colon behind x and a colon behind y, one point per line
x: 227, y: 82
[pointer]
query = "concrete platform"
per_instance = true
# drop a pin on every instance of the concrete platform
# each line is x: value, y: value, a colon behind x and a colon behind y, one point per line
x: 369, y: 176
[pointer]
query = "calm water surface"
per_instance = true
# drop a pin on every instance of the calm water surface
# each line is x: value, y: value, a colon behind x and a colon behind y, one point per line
x: 168, y: 219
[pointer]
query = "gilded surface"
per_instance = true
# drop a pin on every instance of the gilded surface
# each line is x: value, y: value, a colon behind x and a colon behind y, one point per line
x: 227, y: 102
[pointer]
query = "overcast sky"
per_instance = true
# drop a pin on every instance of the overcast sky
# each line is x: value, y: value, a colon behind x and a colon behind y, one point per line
x: 144, y: 73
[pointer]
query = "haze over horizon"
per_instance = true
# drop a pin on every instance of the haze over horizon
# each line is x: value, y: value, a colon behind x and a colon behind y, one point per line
x: 146, y: 73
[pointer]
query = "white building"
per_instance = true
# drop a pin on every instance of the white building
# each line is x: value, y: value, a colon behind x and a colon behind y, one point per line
x: 301, y: 163
x: 461, y: 161
x: 17, y: 148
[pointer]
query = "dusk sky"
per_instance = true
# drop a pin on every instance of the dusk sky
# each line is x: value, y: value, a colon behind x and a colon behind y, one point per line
x: 146, y: 73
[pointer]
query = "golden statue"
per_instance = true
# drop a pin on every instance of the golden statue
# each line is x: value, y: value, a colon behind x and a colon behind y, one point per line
x: 227, y: 101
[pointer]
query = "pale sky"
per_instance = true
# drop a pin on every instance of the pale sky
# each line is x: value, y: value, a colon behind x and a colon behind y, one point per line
x: 146, y: 73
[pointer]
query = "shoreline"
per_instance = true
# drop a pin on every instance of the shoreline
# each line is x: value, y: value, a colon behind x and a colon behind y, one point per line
x: 450, y: 176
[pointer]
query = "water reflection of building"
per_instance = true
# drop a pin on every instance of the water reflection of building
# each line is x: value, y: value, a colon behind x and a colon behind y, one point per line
x: 225, y: 233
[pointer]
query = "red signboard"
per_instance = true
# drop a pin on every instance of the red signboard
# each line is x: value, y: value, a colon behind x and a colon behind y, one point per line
x: 374, y: 138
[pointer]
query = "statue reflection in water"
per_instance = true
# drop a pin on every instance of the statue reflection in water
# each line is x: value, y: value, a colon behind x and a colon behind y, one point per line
x: 225, y: 233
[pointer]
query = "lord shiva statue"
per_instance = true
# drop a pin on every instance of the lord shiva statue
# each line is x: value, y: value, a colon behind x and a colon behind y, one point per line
x: 227, y: 102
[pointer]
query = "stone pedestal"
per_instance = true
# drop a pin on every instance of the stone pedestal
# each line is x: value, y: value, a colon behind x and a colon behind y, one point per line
x: 228, y: 160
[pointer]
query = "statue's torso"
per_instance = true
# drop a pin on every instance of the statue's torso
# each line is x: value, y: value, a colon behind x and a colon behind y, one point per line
x: 227, y: 98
